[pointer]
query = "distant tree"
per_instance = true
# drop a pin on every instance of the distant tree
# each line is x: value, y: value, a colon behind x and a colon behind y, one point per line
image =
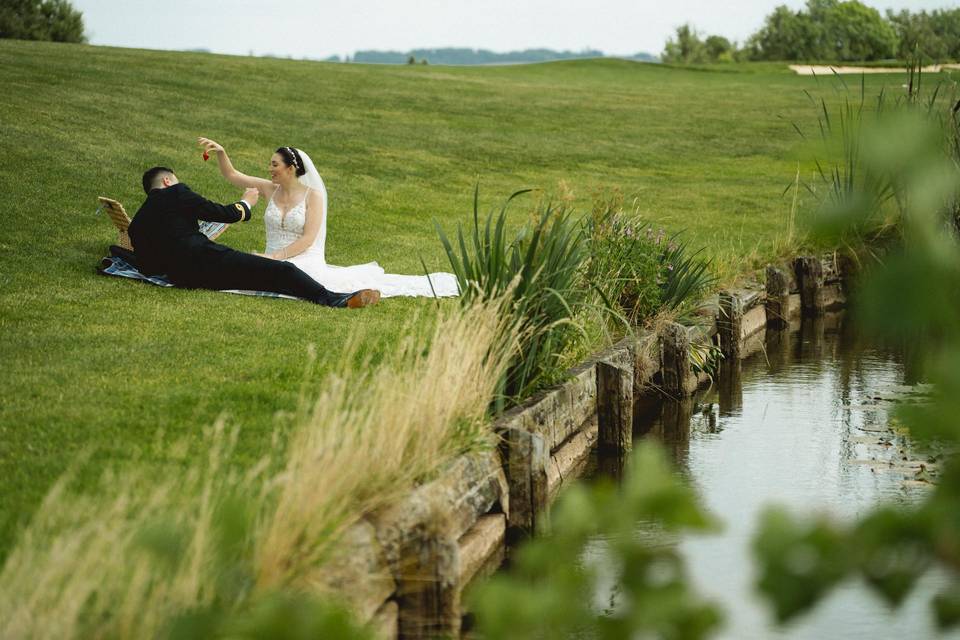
x: 459, y: 55
x: 686, y: 47
x: 828, y: 31
x: 785, y: 35
x: 934, y: 36
x: 854, y: 31
x: 719, y: 49
x: 411, y: 60
x: 54, y: 20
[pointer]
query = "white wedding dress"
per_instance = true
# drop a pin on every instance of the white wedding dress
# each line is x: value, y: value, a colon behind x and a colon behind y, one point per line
x: 283, y: 228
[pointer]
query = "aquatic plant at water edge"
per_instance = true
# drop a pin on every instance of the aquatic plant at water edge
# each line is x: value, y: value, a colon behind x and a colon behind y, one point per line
x: 686, y: 275
x: 539, y: 269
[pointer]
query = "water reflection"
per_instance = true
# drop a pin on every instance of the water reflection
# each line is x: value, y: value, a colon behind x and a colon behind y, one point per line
x: 797, y: 424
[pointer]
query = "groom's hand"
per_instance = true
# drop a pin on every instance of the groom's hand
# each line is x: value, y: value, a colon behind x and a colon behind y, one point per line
x: 251, y: 196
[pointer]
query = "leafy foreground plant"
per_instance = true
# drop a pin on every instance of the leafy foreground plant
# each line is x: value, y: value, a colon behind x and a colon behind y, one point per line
x: 211, y: 552
x: 912, y: 295
x: 539, y: 271
x: 551, y: 588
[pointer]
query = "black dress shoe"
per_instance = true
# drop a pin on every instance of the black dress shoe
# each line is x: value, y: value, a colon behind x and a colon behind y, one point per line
x: 363, y: 298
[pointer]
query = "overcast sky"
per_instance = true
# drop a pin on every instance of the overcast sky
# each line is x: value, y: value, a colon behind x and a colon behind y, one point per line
x: 321, y: 28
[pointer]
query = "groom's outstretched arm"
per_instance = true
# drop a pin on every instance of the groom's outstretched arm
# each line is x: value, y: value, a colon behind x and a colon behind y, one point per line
x: 207, y: 210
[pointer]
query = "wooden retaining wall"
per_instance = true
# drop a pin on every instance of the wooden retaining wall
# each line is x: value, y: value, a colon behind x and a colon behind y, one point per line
x: 405, y: 568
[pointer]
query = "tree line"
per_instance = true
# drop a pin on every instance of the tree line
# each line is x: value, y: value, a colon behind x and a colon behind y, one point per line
x: 54, y: 20
x: 829, y: 31
x: 461, y: 55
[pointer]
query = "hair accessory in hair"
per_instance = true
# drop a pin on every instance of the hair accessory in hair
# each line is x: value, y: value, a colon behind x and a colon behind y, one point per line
x: 293, y: 156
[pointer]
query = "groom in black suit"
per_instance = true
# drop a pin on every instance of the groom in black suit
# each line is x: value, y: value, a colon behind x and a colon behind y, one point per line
x: 167, y: 240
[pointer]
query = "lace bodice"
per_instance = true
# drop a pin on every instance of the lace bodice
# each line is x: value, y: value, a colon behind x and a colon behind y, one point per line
x: 286, y: 228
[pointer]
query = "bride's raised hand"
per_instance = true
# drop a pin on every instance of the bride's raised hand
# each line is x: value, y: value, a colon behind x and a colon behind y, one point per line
x: 209, y: 146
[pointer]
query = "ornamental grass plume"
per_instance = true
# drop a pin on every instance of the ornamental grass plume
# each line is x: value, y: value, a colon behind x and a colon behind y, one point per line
x: 204, y: 551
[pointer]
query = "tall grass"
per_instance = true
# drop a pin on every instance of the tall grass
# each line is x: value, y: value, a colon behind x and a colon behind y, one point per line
x: 197, y: 549
x: 846, y: 177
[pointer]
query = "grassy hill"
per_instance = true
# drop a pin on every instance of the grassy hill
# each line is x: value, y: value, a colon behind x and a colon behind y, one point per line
x: 97, y: 370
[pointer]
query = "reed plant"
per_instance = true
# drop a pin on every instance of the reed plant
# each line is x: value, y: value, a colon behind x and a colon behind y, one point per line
x: 686, y: 275
x: 539, y: 270
x: 208, y: 551
x: 845, y: 177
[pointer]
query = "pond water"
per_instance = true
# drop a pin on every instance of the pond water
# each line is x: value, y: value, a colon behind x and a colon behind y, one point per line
x: 804, y: 423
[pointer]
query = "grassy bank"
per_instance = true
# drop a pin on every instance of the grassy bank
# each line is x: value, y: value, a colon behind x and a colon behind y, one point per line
x: 103, y: 367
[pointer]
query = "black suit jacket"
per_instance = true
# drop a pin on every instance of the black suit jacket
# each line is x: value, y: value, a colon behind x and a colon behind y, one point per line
x: 166, y: 235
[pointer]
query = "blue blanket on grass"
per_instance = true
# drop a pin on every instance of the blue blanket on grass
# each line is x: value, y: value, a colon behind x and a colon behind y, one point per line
x: 120, y: 268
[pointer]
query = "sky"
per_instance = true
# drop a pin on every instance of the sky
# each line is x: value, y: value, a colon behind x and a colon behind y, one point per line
x: 321, y: 28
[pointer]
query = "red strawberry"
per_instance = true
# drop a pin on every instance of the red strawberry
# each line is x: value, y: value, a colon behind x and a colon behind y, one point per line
x: 206, y: 156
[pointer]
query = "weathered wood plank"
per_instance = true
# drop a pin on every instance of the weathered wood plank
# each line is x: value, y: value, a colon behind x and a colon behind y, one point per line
x: 809, y: 270
x: 676, y: 373
x: 753, y: 322
x: 384, y: 621
x: 834, y: 296
x: 359, y: 571
x: 527, y: 456
x: 615, y: 407
x: 729, y: 324
x: 428, y: 586
x: 467, y: 489
x: 778, y: 297
x: 568, y: 462
x: 482, y: 548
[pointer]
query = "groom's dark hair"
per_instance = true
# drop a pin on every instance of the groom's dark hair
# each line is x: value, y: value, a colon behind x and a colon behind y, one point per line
x: 292, y: 157
x: 153, y: 175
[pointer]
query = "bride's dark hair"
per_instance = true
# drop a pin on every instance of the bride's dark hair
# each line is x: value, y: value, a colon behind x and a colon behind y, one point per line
x: 292, y: 159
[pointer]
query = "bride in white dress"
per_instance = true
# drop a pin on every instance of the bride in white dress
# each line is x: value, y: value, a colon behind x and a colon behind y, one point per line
x: 296, y: 223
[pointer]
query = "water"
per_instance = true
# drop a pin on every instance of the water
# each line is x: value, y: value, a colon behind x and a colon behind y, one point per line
x: 801, y: 426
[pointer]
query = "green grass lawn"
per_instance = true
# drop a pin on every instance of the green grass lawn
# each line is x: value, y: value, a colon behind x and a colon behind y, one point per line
x: 101, y: 367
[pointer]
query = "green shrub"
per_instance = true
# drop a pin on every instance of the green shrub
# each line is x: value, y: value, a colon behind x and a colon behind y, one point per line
x: 638, y: 270
x: 624, y: 265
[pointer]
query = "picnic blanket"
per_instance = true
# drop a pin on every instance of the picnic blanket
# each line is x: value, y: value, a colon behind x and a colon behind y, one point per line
x: 114, y: 265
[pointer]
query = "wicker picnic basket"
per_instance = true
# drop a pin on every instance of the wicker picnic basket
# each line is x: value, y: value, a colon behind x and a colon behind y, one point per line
x: 118, y: 215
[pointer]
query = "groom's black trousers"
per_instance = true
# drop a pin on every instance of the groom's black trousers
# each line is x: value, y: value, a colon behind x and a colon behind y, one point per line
x: 230, y: 269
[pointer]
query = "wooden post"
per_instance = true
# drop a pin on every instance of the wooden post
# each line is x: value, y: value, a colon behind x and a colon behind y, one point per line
x: 778, y: 345
x: 730, y: 387
x: 810, y: 279
x: 527, y: 457
x: 674, y: 428
x: 428, y: 589
x: 615, y: 408
x: 675, y: 370
x: 778, y: 297
x: 730, y: 324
